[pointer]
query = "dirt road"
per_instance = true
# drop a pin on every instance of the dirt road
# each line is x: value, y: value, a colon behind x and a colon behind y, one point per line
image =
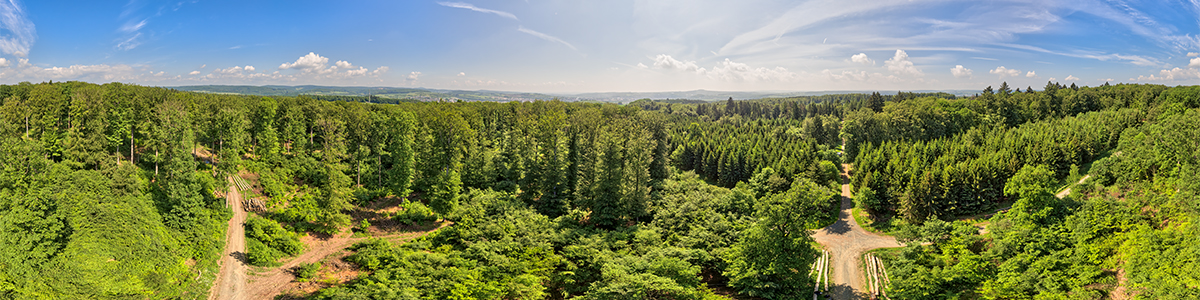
x: 1067, y: 191
x: 231, y: 281
x: 280, y: 280
x: 846, y: 242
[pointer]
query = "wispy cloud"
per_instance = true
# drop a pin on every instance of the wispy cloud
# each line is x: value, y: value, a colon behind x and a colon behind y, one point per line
x: 21, y: 30
x: 134, y: 18
x: 478, y: 9
x: 1133, y: 59
x: 545, y: 37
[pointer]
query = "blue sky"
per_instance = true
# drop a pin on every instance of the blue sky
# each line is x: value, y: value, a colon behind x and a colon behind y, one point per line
x: 568, y: 46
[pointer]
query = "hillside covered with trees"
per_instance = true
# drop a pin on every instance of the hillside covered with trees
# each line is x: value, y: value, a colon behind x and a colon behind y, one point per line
x: 113, y: 191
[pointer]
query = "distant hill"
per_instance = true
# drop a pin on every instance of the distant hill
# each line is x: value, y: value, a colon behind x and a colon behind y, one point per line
x: 423, y: 94
x: 381, y: 92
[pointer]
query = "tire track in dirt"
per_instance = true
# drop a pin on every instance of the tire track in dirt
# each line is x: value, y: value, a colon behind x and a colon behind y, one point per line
x: 279, y: 280
x: 231, y: 280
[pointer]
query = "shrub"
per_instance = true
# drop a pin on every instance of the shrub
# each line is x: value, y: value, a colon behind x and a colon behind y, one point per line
x: 415, y: 213
x: 260, y: 255
x: 271, y: 234
x: 304, y: 272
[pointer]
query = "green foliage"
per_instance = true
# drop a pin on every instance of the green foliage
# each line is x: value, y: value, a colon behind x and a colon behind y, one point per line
x: 415, y: 213
x: 273, y: 235
x: 869, y: 202
x: 305, y: 272
x: 579, y: 200
x: 771, y: 259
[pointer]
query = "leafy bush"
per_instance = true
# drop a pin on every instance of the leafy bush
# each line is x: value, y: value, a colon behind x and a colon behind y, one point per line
x: 271, y: 234
x: 304, y: 272
x: 415, y: 213
x: 267, y: 242
x: 259, y: 254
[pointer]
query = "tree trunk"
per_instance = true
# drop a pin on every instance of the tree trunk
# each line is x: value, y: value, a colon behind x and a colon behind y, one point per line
x: 131, y: 144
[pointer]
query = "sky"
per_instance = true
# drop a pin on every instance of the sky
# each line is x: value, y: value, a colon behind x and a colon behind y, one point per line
x: 570, y: 46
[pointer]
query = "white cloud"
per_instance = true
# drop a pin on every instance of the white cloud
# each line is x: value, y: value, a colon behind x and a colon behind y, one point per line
x: 1053, y: 79
x: 901, y: 65
x: 413, y: 76
x: 1002, y: 71
x: 848, y: 75
x: 739, y: 72
x: 308, y: 63
x: 726, y: 70
x: 862, y: 59
x: 1172, y: 75
x: 311, y: 68
x: 1031, y: 74
x: 1193, y: 54
x: 1071, y: 78
x: 3, y: 62
x: 460, y: 74
x: 101, y: 71
x: 545, y: 37
x: 234, y: 70
x: 663, y: 61
x: 960, y: 72
x: 1195, y: 63
x: 475, y: 8
x: 20, y: 33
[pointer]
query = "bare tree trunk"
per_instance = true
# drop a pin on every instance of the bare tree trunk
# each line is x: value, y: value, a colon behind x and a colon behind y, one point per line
x: 131, y: 144
x: 156, y: 163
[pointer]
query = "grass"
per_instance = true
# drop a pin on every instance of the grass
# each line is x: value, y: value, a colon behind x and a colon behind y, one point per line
x: 863, y: 219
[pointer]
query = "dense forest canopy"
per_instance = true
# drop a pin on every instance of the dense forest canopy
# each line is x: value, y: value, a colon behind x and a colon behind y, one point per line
x: 115, y: 191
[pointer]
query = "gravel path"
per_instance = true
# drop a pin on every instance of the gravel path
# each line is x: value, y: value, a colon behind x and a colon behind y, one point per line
x: 847, y: 242
x: 231, y: 281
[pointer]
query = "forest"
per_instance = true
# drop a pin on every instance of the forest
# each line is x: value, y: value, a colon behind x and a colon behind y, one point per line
x: 115, y: 191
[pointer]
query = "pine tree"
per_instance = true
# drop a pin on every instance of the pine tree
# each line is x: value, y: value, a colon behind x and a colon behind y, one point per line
x: 875, y: 102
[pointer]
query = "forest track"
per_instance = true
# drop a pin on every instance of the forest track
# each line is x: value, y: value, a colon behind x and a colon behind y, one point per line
x: 1067, y: 191
x: 276, y: 281
x: 231, y: 280
x: 847, y: 241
